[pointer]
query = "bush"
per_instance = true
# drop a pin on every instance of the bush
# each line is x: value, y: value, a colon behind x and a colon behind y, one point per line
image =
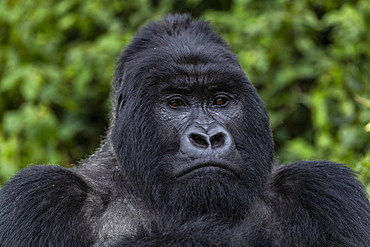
x: 309, y: 60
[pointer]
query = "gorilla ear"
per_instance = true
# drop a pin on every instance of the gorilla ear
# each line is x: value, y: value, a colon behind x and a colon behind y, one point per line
x: 120, y: 103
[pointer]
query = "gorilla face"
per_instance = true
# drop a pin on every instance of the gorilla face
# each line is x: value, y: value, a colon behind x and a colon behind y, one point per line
x: 206, y: 171
x: 191, y: 133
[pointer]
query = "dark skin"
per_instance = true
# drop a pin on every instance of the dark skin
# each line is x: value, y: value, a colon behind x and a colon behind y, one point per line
x: 200, y: 115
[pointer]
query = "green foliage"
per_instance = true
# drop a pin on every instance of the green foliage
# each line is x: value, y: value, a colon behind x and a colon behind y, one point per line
x: 309, y: 60
x: 363, y: 169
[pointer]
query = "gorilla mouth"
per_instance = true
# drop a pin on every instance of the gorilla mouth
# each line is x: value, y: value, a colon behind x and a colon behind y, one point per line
x: 207, y: 167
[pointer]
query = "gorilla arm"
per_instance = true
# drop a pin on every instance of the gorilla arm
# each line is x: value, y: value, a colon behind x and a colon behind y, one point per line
x: 320, y: 203
x: 46, y: 206
x: 257, y: 232
x: 305, y: 204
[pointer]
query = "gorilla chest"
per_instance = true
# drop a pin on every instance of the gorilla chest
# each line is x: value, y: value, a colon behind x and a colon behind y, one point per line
x: 120, y: 219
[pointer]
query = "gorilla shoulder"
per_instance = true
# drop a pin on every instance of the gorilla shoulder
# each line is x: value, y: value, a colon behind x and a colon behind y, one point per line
x: 49, y: 203
x: 327, y: 197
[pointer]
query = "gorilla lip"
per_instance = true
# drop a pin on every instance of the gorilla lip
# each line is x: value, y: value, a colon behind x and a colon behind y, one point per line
x: 218, y: 166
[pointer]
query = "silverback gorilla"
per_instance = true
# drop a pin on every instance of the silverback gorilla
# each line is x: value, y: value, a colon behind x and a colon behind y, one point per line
x: 188, y: 161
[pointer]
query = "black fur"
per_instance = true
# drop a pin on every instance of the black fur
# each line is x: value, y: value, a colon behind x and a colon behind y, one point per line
x: 188, y: 161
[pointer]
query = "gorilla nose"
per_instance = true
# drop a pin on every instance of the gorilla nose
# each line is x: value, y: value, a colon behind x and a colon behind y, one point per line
x: 197, y: 140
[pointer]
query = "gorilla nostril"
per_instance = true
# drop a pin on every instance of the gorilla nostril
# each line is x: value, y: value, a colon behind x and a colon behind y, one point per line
x: 198, y: 140
x: 217, y: 140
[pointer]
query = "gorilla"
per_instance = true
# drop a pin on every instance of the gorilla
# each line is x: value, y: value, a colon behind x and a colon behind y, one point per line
x: 188, y: 161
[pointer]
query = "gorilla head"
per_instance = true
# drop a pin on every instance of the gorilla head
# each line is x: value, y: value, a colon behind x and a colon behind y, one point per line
x: 188, y: 129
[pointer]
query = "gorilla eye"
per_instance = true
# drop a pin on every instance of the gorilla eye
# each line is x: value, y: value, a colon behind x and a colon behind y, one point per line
x: 220, y: 101
x: 176, y: 102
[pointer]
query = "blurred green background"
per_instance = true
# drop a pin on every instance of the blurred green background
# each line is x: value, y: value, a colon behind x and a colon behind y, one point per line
x: 309, y: 59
